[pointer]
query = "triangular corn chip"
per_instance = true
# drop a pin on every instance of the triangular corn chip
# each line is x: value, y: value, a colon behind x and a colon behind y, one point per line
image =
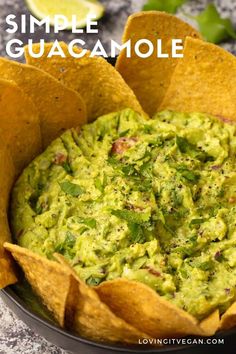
x: 59, y: 108
x: 19, y: 124
x: 50, y: 280
x: 7, y: 273
x: 228, y: 320
x: 204, y: 81
x: 91, y: 318
x: 211, y: 324
x: 101, y: 86
x: 7, y: 270
x: 150, y: 77
x: 144, y: 309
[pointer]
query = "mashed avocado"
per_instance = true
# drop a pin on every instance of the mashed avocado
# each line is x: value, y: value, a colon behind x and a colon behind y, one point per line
x: 153, y: 201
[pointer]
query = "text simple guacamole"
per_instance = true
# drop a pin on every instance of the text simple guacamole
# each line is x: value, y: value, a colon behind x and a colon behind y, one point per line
x: 149, y: 200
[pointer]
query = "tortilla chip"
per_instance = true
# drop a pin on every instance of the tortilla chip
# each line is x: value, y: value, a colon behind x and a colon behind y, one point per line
x: 101, y: 86
x: 204, y: 81
x: 150, y: 77
x: 7, y: 177
x: 59, y: 108
x: 7, y: 270
x: 144, y: 309
x: 211, y: 324
x: 228, y: 320
x: 19, y: 124
x: 7, y: 273
x: 91, y: 318
x: 50, y: 280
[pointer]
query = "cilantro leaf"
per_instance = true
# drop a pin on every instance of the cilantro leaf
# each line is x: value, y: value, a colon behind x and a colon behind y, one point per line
x: 129, y: 170
x: 113, y: 161
x: 101, y: 184
x: 147, y: 129
x: 136, y: 232
x: 136, y: 223
x: 187, y: 148
x: 183, y: 144
x: 169, y: 229
x: 189, y: 175
x: 124, y: 133
x: 71, y: 188
x: 170, y: 6
x: 131, y: 216
x: 214, y: 28
x: 90, y: 222
x: 196, y: 222
x: 207, y: 265
x: 67, y: 167
x: 67, y: 244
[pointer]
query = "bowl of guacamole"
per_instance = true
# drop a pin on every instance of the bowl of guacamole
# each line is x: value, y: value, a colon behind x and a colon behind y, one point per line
x: 147, y: 200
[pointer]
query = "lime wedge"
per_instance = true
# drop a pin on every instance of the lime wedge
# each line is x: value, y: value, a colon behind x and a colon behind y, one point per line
x: 67, y: 8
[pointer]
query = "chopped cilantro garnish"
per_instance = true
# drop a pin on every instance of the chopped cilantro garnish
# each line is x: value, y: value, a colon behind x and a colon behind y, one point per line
x: 71, y: 188
x: 187, y: 148
x: 147, y: 129
x: 90, y: 222
x: 137, y: 233
x: 189, y: 175
x: 132, y: 216
x: 99, y: 185
x: 208, y: 265
x: 67, y: 167
x: 67, y: 244
x: 124, y: 133
x: 136, y: 222
x: 129, y: 170
x: 196, y: 222
x: 113, y: 161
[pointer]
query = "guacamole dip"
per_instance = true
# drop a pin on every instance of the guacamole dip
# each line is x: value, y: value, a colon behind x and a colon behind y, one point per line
x: 153, y: 201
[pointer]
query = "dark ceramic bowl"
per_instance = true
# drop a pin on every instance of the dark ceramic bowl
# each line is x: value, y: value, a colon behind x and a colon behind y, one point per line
x: 76, y: 344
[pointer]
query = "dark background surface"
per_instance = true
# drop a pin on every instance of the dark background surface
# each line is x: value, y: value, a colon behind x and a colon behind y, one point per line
x: 15, y: 337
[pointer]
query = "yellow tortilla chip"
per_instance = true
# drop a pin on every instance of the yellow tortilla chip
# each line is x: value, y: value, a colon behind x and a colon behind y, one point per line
x: 59, y: 108
x: 7, y: 273
x: 91, y: 318
x: 7, y: 176
x: 204, y: 81
x: 19, y: 124
x: 228, y: 320
x: 144, y: 309
x: 211, y: 324
x: 50, y: 280
x: 101, y: 86
x: 150, y: 77
x: 7, y: 270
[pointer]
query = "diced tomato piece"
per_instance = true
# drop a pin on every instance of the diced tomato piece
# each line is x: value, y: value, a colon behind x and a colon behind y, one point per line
x: 59, y: 158
x: 123, y: 144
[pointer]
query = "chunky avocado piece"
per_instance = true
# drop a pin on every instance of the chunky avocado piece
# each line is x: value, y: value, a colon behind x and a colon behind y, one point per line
x: 153, y: 201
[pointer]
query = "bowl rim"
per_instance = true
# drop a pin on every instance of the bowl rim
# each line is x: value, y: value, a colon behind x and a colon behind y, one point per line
x: 126, y: 348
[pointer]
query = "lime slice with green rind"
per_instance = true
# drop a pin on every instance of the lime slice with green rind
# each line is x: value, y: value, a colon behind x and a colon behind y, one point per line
x: 80, y: 8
